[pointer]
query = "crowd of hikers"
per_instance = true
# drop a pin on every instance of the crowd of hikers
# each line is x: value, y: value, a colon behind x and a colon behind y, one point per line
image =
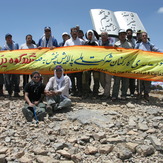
x: 55, y: 89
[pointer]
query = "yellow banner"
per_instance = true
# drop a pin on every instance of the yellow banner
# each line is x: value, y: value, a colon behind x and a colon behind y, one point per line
x: 132, y: 63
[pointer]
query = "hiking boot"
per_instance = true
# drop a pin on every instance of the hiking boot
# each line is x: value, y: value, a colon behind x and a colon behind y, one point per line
x: 27, y: 114
x: 85, y: 96
x: 114, y: 98
x: 41, y: 116
x: 146, y: 96
x: 49, y: 110
x: 51, y: 102
x: 105, y: 97
x: 139, y: 96
x: 16, y: 94
x: 123, y: 98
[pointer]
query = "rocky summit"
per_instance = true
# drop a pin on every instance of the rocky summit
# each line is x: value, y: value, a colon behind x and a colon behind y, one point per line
x: 91, y: 131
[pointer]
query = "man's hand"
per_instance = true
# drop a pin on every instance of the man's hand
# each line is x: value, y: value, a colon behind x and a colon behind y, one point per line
x: 36, y: 102
x: 52, y: 47
x: 50, y: 93
x: 31, y: 104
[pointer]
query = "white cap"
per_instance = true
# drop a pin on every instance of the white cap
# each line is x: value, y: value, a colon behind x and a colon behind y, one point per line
x: 65, y: 33
x: 121, y: 31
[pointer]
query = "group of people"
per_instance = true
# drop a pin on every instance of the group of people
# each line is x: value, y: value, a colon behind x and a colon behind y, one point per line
x: 56, y: 88
x: 56, y: 93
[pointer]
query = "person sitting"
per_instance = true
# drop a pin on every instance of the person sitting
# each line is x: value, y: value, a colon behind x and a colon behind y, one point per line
x: 34, y: 94
x: 57, y: 91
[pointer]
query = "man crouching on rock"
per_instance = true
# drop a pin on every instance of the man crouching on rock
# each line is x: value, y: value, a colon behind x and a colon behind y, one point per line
x: 57, y: 91
x: 34, y: 94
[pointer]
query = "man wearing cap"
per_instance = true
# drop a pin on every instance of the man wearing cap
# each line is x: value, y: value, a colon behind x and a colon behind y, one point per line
x: 74, y: 40
x: 65, y: 36
x: 47, y: 40
x: 57, y: 91
x: 123, y: 43
x: 11, y: 80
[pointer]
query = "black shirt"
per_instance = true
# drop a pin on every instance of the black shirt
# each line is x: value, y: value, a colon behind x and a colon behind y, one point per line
x: 34, y: 90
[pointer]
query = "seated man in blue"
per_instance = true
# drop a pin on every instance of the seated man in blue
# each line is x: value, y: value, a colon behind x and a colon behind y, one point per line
x: 34, y: 93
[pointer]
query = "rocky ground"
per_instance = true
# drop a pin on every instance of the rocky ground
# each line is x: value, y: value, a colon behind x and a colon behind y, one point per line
x: 92, y: 131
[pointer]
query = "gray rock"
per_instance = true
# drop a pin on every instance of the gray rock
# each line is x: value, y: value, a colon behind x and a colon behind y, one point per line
x: 145, y: 150
x: 132, y: 122
x: 90, y: 150
x: 153, y: 111
x: 122, y: 152
x: 86, y: 116
x: 142, y: 126
x: 26, y: 159
x: 84, y: 138
x: 7, y: 139
x: 156, y: 143
x: 158, y: 118
x: 58, y: 146
x: 3, y: 150
x: 46, y: 159
x: 105, y: 149
x: 99, y: 136
x: 116, y: 140
x: 3, y: 158
x: 132, y: 146
x: 64, y: 153
x: 130, y: 105
x: 40, y: 151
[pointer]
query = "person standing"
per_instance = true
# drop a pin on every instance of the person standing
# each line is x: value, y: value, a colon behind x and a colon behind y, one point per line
x: 105, y: 79
x: 86, y: 80
x: 74, y: 40
x: 145, y: 86
x: 47, y: 40
x: 133, y: 42
x: 27, y: 45
x: 123, y: 43
x: 11, y: 80
x: 65, y: 36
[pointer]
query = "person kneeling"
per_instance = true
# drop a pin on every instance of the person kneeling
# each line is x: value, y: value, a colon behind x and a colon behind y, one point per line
x: 57, y: 91
x: 34, y: 94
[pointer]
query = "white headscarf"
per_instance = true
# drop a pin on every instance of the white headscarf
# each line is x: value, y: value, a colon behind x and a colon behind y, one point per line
x: 50, y: 41
x: 60, y: 80
x: 93, y: 36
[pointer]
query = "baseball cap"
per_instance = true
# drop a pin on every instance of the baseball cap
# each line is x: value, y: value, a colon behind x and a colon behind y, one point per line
x: 121, y: 31
x: 47, y: 28
x: 139, y: 31
x: 8, y: 35
x: 64, y: 33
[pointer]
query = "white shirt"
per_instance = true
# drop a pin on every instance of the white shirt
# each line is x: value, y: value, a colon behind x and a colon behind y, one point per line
x: 65, y: 85
x: 71, y: 42
x: 25, y: 46
x: 125, y: 44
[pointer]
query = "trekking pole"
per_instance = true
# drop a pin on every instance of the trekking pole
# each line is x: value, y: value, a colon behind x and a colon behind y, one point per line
x: 35, y: 115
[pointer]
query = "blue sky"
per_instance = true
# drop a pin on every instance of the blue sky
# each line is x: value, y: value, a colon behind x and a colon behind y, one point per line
x: 22, y: 17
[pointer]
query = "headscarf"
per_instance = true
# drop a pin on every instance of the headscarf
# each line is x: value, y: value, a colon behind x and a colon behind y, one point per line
x: 94, y: 39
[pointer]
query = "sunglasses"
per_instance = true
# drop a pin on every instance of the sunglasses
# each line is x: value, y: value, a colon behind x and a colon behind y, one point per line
x: 36, y: 77
x: 58, y: 70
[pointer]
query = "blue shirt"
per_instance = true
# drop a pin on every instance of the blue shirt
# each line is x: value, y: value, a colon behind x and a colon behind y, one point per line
x: 54, y: 42
x: 13, y: 46
x: 147, y: 47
